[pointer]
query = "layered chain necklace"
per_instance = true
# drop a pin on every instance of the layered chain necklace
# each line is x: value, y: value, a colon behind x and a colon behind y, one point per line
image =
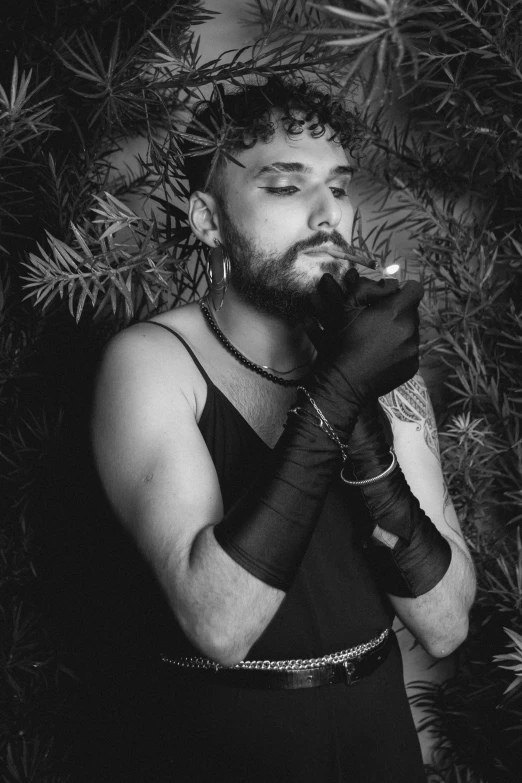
x: 260, y: 369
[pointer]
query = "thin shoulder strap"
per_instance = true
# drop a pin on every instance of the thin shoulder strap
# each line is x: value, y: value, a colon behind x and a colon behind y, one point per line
x: 187, y: 347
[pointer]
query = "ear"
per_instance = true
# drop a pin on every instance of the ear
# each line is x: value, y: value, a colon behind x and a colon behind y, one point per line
x: 203, y: 217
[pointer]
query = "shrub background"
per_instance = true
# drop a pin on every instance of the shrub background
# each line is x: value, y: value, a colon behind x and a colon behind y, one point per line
x: 81, y: 78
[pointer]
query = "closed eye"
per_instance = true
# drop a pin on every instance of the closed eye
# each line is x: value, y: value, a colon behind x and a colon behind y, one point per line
x: 290, y: 189
x: 284, y: 191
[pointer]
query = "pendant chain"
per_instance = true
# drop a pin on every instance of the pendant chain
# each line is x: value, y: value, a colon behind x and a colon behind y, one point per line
x: 259, y: 369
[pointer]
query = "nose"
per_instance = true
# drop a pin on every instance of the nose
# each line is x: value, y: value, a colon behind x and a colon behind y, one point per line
x: 326, y: 212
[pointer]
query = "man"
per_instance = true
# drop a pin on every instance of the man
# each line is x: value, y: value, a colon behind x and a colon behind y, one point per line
x: 254, y: 473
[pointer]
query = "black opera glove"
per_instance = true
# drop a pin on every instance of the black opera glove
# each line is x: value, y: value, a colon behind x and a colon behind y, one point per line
x: 370, y: 343
x: 268, y: 530
x: 421, y: 556
x: 336, y: 306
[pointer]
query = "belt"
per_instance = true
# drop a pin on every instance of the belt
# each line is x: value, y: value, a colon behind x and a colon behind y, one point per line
x: 346, y: 667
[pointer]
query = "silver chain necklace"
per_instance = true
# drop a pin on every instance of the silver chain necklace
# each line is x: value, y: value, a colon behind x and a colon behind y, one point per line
x: 258, y: 368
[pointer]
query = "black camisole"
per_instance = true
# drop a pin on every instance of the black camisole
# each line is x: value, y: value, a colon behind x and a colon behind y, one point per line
x: 334, y: 602
x: 154, y: 722
x: 339, y: 734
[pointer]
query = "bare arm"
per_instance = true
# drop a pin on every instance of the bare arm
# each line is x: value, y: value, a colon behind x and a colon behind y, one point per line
x: 161, y: 482
x: 439, y: 618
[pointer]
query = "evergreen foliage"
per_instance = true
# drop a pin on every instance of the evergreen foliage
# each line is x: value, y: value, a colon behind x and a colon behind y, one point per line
x: 446, y: 170
x: 81, y: 78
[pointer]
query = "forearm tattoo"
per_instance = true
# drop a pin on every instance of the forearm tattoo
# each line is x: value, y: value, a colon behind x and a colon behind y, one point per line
x: 410, y: 402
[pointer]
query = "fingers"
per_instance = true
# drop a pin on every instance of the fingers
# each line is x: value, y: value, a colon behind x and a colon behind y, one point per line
x: 405, y: 297
x: 367, y: 291
x: 328, y: 302
x: 334, y: 306
x: 411, y: 293
x: 329, y: 290
x: 350, y: 279
x: 319, y: 338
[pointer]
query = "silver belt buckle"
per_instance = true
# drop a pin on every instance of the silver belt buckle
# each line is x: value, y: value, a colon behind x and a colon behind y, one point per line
x: 349, y: 668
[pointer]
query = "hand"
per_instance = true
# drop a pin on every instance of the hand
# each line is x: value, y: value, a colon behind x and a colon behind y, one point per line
x: 335, y: 308
x: 372, y: 332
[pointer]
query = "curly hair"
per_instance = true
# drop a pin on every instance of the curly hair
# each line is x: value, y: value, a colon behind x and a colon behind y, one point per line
x: 235, y: 121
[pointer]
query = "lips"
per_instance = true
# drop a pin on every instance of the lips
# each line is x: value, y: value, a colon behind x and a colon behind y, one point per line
x: 330, y: 250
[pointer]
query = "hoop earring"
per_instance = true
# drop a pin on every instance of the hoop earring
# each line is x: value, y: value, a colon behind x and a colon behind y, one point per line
x: 218, y: 270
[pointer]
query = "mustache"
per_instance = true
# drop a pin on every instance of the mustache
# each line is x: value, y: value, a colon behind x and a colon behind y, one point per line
x: 322, y: 238
x: 335, y: 238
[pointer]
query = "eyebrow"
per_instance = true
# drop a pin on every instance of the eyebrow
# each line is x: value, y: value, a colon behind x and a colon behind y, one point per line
x: 282, y: 166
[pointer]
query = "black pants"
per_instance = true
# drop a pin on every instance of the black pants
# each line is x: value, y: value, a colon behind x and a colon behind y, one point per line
x: 362, y: 733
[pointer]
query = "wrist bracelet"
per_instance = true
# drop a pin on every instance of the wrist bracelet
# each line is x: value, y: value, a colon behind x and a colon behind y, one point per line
x: 375, y: 478
x: 323, y: 424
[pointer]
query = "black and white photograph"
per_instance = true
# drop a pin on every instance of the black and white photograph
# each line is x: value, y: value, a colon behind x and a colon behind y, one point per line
x: 261, y: 391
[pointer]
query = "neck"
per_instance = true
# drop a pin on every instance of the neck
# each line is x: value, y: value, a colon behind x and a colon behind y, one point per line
x: 264, y: 339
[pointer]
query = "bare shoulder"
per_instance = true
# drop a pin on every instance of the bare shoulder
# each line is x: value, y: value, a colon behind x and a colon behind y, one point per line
x: 145, y: 361
x: 145, y: 341
x: 147, y: 389
x: 145, y: 438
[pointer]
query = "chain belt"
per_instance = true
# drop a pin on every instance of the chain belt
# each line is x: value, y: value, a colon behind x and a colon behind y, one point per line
x: 297, y: 664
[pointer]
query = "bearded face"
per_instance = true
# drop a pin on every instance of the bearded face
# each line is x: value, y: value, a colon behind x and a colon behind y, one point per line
x: 284, y: 215
x: 270, y: 281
